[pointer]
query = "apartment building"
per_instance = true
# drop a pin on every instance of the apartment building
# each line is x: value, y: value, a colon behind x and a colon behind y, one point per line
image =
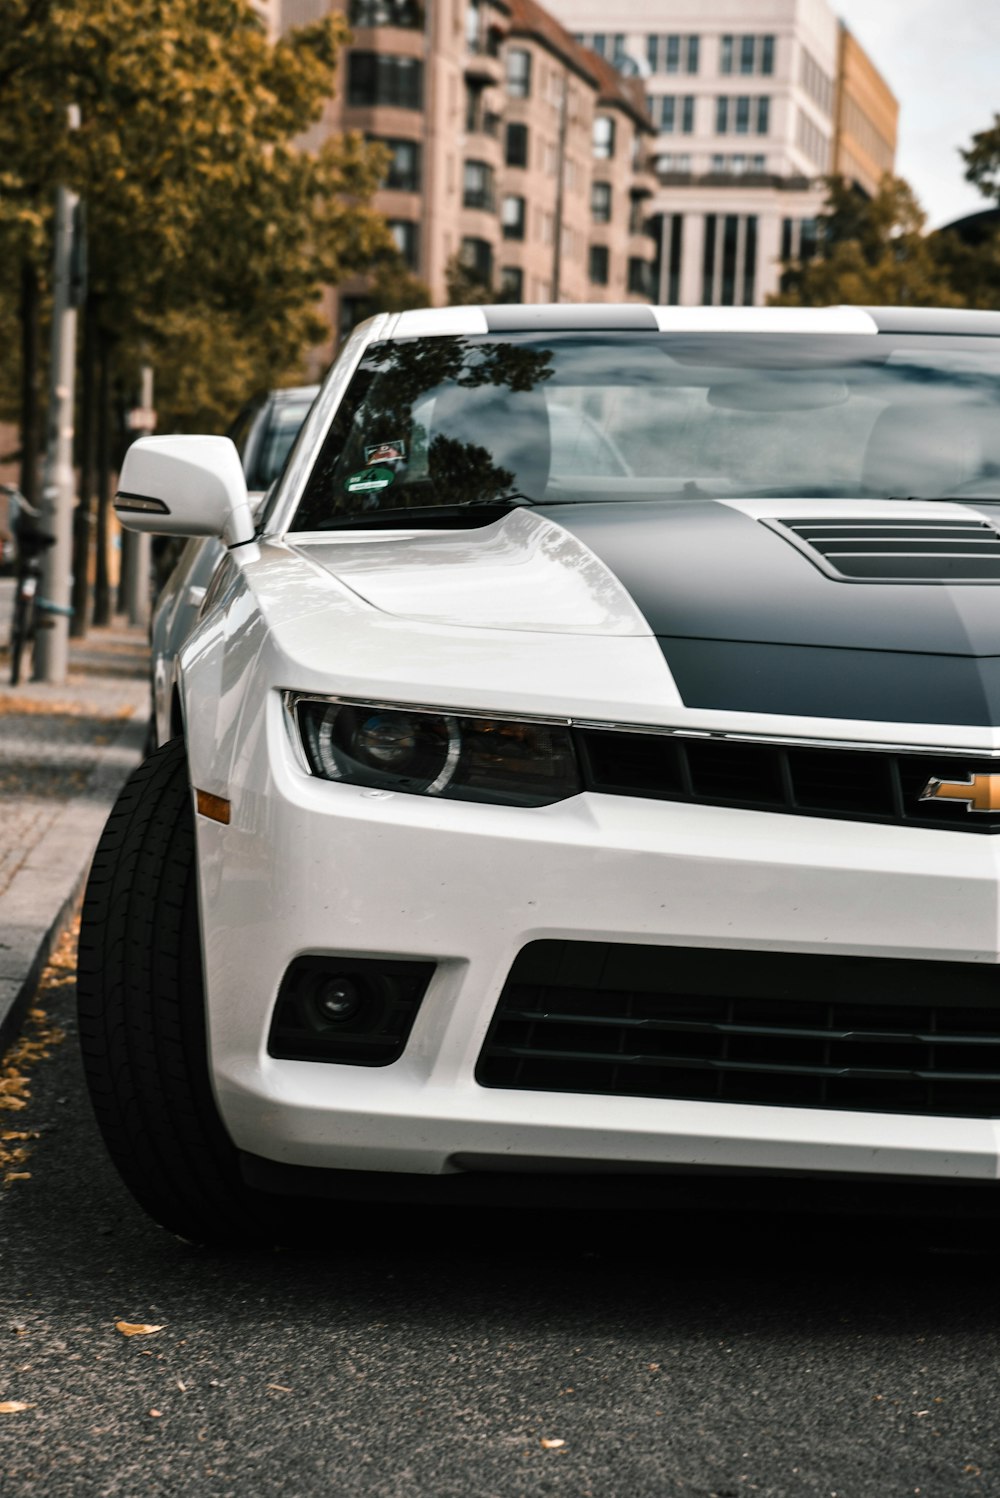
x: 513, y: 148
x: 576, y: 135
x: 754, y: 101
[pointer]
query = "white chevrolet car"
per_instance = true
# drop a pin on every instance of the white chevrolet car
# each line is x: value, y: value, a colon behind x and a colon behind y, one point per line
x: 588, y: 767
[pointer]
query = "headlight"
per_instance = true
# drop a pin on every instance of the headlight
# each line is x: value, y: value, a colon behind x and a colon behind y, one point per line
x: 437, y: 754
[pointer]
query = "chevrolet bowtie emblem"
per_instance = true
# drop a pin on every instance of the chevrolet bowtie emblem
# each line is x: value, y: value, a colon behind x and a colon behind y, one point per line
x: 979, y: 792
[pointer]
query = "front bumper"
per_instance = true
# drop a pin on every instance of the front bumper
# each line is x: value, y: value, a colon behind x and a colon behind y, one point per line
x: 311, y: 867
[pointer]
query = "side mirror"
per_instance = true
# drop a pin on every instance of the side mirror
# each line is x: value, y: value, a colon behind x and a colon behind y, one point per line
x: 185, y: 486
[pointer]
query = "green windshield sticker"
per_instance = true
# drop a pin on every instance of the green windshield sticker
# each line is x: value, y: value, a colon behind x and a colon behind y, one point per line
x: 367, y: 479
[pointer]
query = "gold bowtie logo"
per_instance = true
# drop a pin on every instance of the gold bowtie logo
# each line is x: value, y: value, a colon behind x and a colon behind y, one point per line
x: 979, y: 792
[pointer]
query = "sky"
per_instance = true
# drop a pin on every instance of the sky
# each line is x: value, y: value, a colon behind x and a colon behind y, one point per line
x: 941, y: 58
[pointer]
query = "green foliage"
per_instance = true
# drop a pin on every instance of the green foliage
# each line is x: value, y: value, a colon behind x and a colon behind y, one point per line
x: 871, y: 251
x: 465, y: 288
x: 982, y: 160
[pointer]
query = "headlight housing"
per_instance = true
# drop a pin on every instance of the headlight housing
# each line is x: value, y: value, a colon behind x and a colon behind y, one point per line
x: 428, y: 753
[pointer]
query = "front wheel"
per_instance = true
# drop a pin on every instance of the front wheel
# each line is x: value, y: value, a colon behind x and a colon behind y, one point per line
x: 142, y: 1014
x: 23, y: 626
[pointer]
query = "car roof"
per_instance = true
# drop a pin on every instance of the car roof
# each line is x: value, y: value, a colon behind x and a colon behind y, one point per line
x: 636, y: 316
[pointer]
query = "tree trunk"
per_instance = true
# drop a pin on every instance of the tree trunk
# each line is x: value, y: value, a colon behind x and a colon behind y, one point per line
x: 30, y: 407
x: 83, y: 521
x: 102, y: 584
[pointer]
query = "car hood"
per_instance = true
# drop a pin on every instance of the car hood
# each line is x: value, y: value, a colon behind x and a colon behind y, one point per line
x: 748, y: 619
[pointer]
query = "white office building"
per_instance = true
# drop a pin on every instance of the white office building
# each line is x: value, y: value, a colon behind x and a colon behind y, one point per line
x: 755, y: 101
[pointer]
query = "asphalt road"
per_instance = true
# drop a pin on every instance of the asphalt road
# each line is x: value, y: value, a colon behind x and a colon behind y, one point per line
x: 407, y: 1353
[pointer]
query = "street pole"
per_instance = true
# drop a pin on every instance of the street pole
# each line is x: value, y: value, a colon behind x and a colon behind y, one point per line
x: 142, y: 422
x: 557, y: 228
x: 51, y: 655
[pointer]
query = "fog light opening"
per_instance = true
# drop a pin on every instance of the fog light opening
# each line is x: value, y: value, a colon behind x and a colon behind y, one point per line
x: 338, y: 1000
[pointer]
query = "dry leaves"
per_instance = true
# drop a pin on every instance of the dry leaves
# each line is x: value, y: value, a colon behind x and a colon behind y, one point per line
x: 14, y: 1406
x: 552, y: 1443
x: 136, y: 1328
x: 33, y: 1046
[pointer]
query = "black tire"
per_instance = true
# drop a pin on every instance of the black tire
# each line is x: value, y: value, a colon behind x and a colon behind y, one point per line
x: 142, y: 1014
x: 22, y: 631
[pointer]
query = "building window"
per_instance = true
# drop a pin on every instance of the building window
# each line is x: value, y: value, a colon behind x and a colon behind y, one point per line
x: 817, y: 84
x: 517, y: 145
x: 477, y: 257
x: 640, y: 277
x: 404, y: 168
x: 512, y: 217
x: 519, y: 73
x: 381, y: 78
x: 674, y: 113
x: 604, y: 137
x: 742, y: 115
x: 599, y: 266
x: 749, y: 260
x: 512, y: 283
x: 404, y: 233
x: 729, y: 267
x: 477, y: 186
x: 812, y: 142
x: 674, y: 163
x: 746, y: 54
x: 600, y: 202
x: 637, y: 223
x: 673, y: 54
x: 403, y: 13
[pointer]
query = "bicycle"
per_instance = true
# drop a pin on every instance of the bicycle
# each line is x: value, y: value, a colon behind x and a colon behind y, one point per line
x: 27, y: 604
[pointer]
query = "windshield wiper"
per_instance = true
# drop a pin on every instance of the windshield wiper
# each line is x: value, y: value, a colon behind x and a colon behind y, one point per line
x: 470, y: 513
x: 947, y: 499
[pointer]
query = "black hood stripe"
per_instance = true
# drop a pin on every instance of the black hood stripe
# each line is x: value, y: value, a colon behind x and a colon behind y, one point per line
x: 748, y: 624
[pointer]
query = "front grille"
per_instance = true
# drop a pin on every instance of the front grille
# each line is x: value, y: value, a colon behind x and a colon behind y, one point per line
x: 898, y: 551
x: 857, y: 784
x: 778, y: 1028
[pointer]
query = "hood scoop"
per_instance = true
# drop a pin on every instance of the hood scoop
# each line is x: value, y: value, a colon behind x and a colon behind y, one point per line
x: 897, y: 551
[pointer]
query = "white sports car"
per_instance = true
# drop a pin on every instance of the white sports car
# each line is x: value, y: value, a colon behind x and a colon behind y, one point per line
x: 588, y: 767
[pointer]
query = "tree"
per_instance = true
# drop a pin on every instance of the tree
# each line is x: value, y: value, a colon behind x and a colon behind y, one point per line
x: 982, y: 160
x: 211, y: 233
x: 871, y: 250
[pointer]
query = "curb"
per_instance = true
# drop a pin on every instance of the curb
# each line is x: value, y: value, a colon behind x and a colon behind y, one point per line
x: 40, y: 902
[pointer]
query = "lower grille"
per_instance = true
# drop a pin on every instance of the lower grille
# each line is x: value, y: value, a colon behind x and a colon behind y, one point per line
x: 859, y: 1033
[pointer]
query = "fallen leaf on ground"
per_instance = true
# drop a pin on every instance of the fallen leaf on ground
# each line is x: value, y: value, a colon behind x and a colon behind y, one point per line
x: 14, y: 1406
x: 553, y: 1443
x: 156, y: 1414
x: 281, y: 1388
x: 136, y: 1328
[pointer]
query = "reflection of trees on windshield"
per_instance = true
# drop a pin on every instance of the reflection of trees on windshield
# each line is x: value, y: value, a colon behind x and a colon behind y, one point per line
x: 463, y: 457
x: 465, y: 472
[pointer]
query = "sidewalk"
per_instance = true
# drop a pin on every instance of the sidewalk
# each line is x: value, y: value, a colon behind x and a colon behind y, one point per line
x: 64, y: 754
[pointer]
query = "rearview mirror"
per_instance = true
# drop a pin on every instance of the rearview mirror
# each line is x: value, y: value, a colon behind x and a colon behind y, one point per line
x: 185, y: 486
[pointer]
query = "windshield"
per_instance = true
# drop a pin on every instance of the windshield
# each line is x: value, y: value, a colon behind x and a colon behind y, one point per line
x: 580, y: 417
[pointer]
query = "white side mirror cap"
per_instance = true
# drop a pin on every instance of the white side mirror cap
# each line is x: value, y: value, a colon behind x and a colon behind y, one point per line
x: 185, y: 486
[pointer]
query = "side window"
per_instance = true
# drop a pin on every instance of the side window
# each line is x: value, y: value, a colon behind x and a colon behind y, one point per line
x: 242, y: 428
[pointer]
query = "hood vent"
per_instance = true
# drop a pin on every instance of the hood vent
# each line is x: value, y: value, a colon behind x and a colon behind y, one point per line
x: 897, y: 551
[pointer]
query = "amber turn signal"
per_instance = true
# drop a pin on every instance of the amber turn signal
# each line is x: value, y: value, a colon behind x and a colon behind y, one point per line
x: 216, y: 807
